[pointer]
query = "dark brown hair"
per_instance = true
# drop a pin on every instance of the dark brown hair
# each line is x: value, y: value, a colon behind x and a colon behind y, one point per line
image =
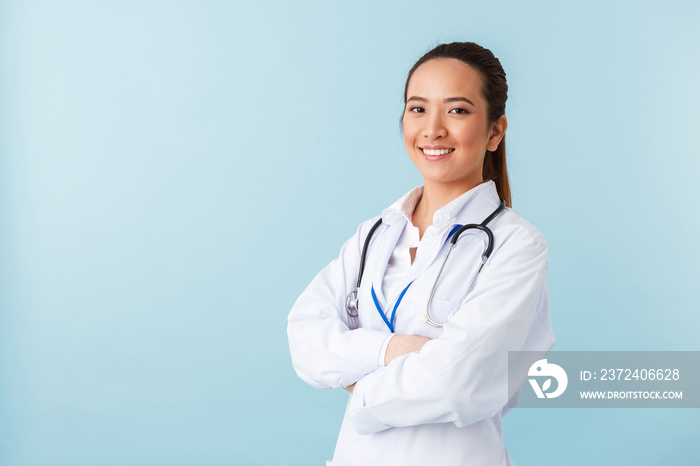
x: 494, y: 91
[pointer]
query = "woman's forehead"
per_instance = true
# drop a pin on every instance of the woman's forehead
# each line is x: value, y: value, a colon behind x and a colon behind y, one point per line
x: 445, y: 76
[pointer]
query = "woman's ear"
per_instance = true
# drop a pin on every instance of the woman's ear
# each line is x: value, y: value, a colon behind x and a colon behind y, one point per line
x: 496, y: 133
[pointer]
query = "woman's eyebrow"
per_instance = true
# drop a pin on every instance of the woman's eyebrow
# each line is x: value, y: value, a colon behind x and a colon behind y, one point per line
x: 449, y: 99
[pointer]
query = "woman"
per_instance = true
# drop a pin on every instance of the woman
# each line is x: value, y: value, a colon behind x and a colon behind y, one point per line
x: 429, y: 387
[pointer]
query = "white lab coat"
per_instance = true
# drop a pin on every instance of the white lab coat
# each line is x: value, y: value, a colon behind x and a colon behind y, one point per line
x: 444, y: 404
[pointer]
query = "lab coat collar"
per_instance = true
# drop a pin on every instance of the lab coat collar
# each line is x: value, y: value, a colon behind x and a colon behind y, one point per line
x: 403, y: 208
x: 459, y: 211
x: 474, y: 205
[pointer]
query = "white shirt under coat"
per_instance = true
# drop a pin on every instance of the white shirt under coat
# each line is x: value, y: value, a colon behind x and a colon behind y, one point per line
x: 444, y: 404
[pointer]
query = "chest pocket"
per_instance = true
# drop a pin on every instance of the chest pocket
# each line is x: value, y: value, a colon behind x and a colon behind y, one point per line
x: 441, y: 310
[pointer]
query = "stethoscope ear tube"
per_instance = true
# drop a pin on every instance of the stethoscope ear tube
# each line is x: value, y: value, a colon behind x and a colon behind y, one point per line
x: 427, y: 318
x: 364, y: 251
x: 474, y: 226
x: 482, y: 226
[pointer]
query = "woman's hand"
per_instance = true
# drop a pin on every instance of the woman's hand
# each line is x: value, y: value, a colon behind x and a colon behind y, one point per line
x: 403, y: 344
x: 398, y: 346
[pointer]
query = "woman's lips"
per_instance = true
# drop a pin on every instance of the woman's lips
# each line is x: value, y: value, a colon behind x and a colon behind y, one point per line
x: 435, y: 154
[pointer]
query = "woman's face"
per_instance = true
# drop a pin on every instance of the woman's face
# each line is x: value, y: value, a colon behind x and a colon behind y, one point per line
x: 445, y: 123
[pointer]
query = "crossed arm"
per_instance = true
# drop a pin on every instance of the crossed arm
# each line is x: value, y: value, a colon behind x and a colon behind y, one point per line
x: 460, y: 377
x: 399, y: 345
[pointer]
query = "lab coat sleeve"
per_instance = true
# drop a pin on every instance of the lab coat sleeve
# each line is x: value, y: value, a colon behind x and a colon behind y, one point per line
x: 462, y: 376
x: 325, y: 352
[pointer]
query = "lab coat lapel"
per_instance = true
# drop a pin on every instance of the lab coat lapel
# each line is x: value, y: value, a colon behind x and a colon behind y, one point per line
x: 384, y: 249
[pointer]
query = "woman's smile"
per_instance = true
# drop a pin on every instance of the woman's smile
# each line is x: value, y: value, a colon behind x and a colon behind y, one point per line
x: 433, y: 153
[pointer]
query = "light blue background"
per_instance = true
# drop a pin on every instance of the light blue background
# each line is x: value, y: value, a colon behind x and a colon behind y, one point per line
x: 173, y: 174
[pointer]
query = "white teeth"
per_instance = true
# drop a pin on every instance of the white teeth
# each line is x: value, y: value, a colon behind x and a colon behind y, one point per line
x: 437, y: 152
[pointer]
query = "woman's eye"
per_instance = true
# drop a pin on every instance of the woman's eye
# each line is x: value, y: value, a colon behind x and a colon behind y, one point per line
x: 416, y: 109
x: 459, y: 110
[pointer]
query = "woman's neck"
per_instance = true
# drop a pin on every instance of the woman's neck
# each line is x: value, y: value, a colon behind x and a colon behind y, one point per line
x: 435, y: 197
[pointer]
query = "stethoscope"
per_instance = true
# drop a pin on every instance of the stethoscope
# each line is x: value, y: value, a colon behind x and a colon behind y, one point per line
x: 351, y: 303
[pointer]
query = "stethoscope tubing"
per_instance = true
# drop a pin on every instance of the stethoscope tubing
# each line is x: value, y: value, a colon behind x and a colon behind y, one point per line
x: 352, y: 299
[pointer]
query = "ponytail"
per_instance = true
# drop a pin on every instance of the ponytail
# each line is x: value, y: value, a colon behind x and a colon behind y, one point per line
x: 495, y: 169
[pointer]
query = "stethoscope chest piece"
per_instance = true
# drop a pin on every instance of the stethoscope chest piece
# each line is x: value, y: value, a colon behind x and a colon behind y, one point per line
x: 351, y: 304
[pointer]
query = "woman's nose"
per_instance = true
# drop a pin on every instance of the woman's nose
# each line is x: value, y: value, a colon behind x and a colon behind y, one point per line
x: 434, y: 127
